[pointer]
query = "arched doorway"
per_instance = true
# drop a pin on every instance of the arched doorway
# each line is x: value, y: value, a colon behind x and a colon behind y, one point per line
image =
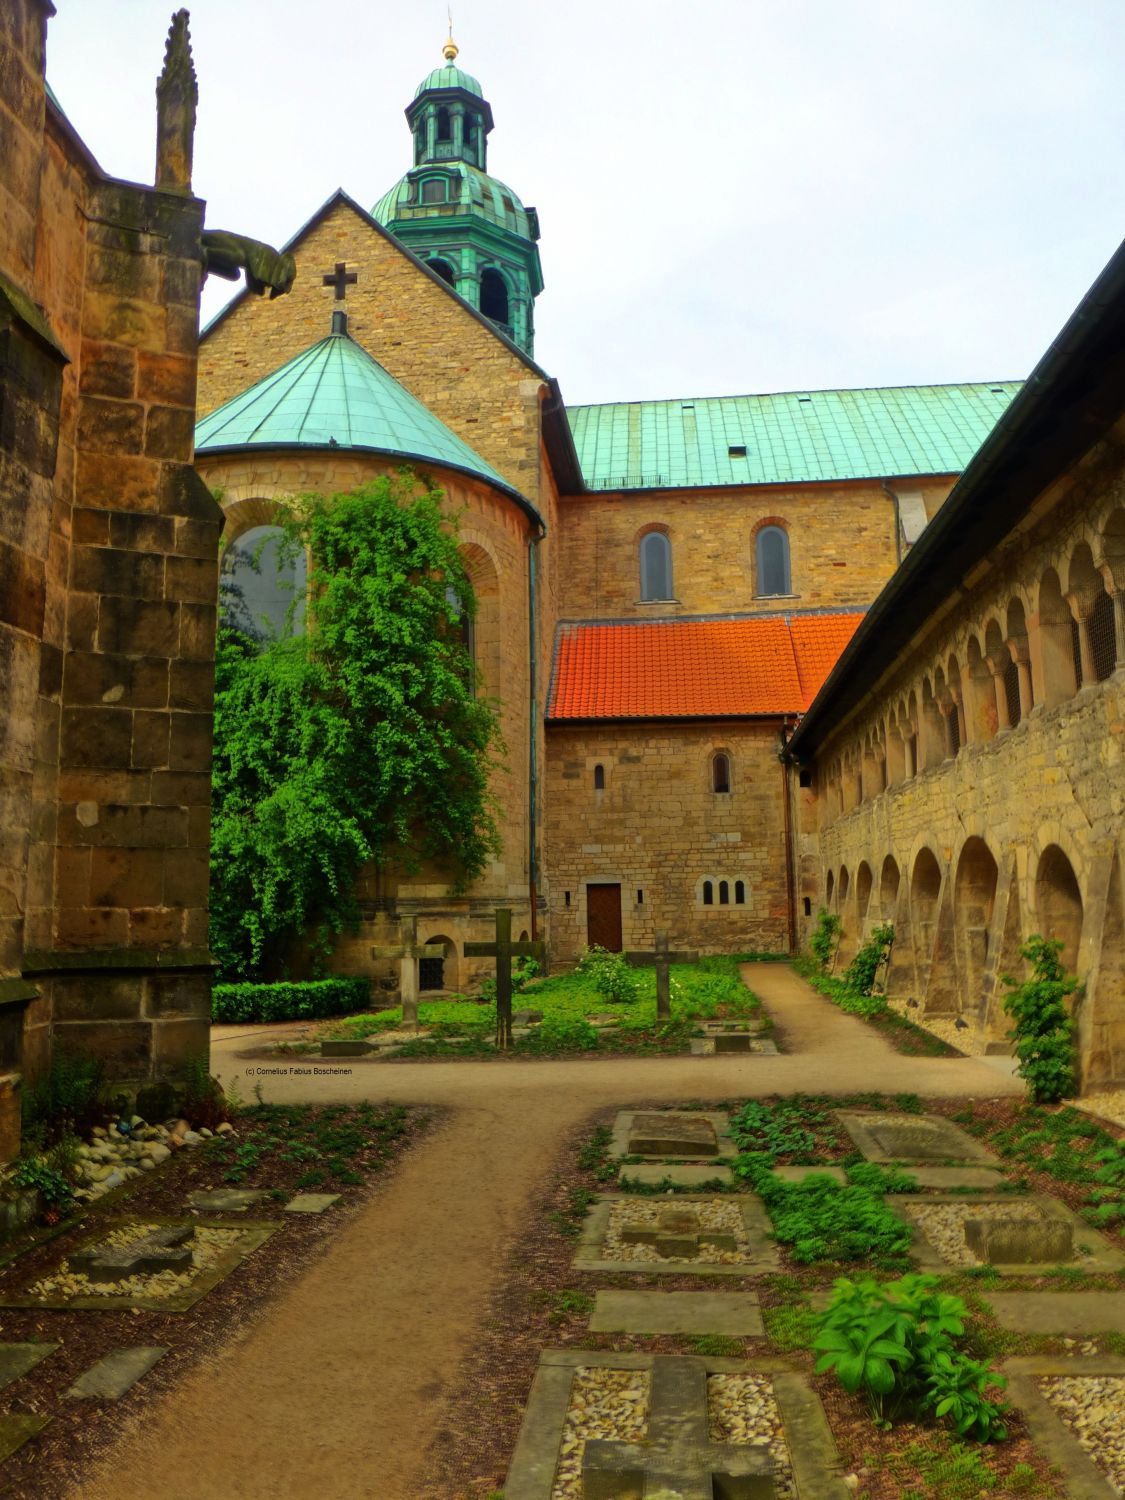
x: 974, y: 896
x: 1058, y: 904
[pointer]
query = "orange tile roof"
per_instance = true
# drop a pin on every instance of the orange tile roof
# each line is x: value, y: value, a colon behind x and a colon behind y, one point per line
x: 683, y: 669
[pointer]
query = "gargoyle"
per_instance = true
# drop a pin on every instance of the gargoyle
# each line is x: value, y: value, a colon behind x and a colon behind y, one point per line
x: 226, y: 254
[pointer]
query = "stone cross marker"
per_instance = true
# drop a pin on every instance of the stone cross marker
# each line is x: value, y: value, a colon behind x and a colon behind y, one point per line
x: 408, y: 952
x: 503, y: 950
x: 341, y: 279
x: 663, y: 984
x: 166, y: 1249
x: 678, y: 1453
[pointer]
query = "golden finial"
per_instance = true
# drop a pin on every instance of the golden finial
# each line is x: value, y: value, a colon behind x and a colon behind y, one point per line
x: 451, y: 49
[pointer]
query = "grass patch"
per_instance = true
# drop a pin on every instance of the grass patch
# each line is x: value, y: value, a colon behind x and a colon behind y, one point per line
x: 904, y: 1035
x: 791, y: 1326
x: 333, y: 1146
x: 1071, y: 1147
x: 718, y: 1346
x: 932, y: 1471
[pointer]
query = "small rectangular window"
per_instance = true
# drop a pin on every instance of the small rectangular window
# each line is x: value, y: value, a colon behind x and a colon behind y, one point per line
x: 737, y: 450
x: 808, y: 906
x: 566, y: 897
x: 806, y: 778
x: 640, y: 898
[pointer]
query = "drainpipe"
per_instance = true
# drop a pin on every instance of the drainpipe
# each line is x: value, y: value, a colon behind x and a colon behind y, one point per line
x: 790, y: 887
x: 533, y: 735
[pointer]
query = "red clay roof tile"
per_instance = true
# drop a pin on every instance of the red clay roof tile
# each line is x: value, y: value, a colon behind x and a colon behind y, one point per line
x: 696, y: 668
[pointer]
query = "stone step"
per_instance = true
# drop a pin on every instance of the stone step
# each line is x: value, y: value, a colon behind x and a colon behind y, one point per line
x: 117, y: 1373
x: 734, y: 1313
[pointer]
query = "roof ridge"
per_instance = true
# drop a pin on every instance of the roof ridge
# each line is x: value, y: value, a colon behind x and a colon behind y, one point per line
x: 801, y: 390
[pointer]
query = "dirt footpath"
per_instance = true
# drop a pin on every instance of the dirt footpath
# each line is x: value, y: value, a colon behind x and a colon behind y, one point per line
x: 334, y: 1394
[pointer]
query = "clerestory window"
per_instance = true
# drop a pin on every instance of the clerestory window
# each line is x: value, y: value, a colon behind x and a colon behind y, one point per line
x: 656, y: 566
x: 773, y: 561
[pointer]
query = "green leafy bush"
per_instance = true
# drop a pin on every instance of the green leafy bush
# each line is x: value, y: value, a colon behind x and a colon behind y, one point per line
x: 794, y: 1128
x: 894, y: 1342
x: 524, y: 970
x: 561, y: 1034
x: 826, y: 937
x: 1044, y: 1029
x: 289, y: 1001
x: 821, y: 1220
x: 861, y: 973
x: 36, y: 1172
x: 610, y: 975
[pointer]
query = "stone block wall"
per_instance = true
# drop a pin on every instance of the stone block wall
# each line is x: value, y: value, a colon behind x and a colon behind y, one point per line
x: 658, y: 829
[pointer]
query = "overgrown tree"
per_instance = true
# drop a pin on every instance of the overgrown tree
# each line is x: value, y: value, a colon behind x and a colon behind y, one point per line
x: 360, y: 740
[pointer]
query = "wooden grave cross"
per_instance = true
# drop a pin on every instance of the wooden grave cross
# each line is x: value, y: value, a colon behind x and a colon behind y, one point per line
x: 662, y: 958
x: 503, y: 950
x: 408, y: 952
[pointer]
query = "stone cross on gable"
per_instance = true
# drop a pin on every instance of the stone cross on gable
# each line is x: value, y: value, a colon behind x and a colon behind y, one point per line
x: 678, y: 1454
x: 341, y: 278
x: 408, y: 951
x: 503, y: 950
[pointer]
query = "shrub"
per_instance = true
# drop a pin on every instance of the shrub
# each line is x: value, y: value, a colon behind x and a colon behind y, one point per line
x: 610, y: 975
x: 290, y: 1001
x: 860, y: 974
x: 561, y: 1034
x: 37, y: 1172
x: 1043, y: 1030
x: 204, y: 1103
x: 894, y: 1342
x: 524, y: 970
x: 820, y: 1220
x: 826, y: 937
x: 65, y: 1101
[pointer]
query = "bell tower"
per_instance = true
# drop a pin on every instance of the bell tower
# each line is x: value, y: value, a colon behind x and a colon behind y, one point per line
x: 466, y: 225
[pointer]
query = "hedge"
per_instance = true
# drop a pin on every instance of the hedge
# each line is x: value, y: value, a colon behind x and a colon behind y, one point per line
x: 289, y: 1001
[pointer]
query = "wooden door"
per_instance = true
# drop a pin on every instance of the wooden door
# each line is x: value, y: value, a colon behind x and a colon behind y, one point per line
x: 603, y: 917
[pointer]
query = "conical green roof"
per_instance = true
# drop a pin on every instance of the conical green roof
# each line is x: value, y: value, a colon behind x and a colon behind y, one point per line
x: 335, y: 395
x: 449, y: 77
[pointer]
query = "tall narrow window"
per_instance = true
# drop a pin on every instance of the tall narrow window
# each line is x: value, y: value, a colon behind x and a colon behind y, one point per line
x: 720, y: 773
x: 656, y: 566
x: 740, y: 893
x: 773, y: 561
x: 494, y: 296
x: 443, y: 268
x: 433, y: 190
x: 724, y: 893
x: 599, y: 778
x: 708, y: 893
x: 444, y: 129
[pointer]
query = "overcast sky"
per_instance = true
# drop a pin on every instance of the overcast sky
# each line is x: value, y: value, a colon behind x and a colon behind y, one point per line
x: 735, y: 195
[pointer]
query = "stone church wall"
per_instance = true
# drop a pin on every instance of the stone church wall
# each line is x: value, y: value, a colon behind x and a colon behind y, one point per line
x: 980, y: 795
x: 841, y: 543
x: 660, y: 830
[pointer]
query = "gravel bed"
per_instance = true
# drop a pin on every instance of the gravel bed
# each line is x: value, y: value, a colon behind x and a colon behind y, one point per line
x: 944, y: 1224
x: 208, y: 1246
x: 1093, y: 1407
x: 603, y: 1404
x: 742, y: 1409
x: 725, y: 1217
x: 972, y: 1041
x: 1109, y: 1105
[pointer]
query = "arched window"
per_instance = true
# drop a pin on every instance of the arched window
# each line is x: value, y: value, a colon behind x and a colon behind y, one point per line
x: 494, y: 296
x: 599, y: 778
x: 420, y: 145
x: 262, y: 585
x: 740, y: 893
x: 724, y: 893
x: 433, y: 190
x: 1103, y: 640
x: 720, y: 773
x: 444, y: 129
x: 773, y: 561
x: 443, y: 268
x: 708, y: 893
x: 656, y: 566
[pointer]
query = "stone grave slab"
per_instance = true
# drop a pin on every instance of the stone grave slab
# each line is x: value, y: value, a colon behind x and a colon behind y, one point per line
x: 679, y: 1174
x: 724, y: 1043
x: 356, y: 1048
x: 225, y: 1200
x: 168, y: 1248
x: 1015, y: 1242
x: 734, y: 1313
x: 1044, y: 1387
x: 218, y: 1248
x: 799, y: 1174
x: 311, y: 1203
x: 956, y: 1177
x: 673, y: 1135
x: 1063, y: 1314
x: 117, y: 1373
x: 939, y: 1221
x: 882, y: 1135
x: 17, y: 1430
x: 675, y: 1438
x: 18, y: 1359
x: 602, y: 1245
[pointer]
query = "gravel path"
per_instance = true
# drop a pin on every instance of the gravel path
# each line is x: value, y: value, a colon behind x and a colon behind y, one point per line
x: 347, y: 1371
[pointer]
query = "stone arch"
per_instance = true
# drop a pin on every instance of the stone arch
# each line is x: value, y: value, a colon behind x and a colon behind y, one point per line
x: 863, y: 885
x: 889, y: 881
x: 932, y: 744
x: 829, y: 889
x: 439, y: 973
x: 1058, y: 903
x: 1056, y: 664
x: 1102, y: 1018
x: 974, y: 898
x: 253, y: 510
x: 925, y: 897
x: 485, y: 635
x: 1017, y: 673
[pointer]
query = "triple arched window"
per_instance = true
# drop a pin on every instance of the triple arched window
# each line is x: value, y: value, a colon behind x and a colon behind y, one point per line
x: 656, y: 566
x: 772, y: 560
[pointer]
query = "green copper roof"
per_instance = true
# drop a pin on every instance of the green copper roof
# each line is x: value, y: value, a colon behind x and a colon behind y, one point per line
x: 335, y: 395
x: 799, y: 435
x: 474, y: 193
x: 449, y: 77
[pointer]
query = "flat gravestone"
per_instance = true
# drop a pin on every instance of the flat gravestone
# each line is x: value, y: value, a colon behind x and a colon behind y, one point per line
x: 311, y: 1203
x: 734, y: 1313
x: 675, y: 1454
x: 757, y: 1255
x: 710, y: 1046
x: 1020, y: 1242
x: 225, y: 1200
x: 16, y: 1430
x: 678, y: 1174
x: 940, y: 1243
x: 911, y: 1138
x: 165, y: 1249
x: 117, y: 1373
x: 18, y: 1359
x: 948, y: 1178
x: 355, y: 1048
x: 681, y: 1135
x: 1059, y: 1313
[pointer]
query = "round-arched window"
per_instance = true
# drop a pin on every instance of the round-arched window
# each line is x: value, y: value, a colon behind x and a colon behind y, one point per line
x: 262, y: 584
x: 656, y: 566
x: 773, y: 561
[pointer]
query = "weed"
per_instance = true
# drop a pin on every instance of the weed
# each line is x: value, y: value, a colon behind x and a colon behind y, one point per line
x: 718, y: 1346
x: 790, y: 1327
x: 568, y: 1221
x: 569, y: 1303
